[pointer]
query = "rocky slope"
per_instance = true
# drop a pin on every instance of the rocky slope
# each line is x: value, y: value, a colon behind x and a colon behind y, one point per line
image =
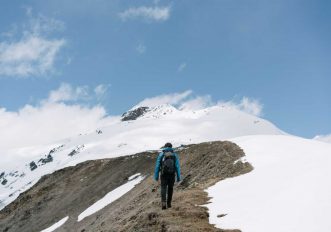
x: 69, y: 191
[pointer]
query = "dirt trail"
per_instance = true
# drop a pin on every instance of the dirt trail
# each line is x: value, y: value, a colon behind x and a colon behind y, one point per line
x: 70, y: 191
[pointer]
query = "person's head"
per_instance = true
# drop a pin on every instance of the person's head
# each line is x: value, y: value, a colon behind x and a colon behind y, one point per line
x: 168, y: 145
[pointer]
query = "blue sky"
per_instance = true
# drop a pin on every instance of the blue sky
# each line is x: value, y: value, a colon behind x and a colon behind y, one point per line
x: 114, y: 54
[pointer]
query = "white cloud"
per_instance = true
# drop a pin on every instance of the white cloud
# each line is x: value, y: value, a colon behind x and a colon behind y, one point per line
x: 30, y: 56
x: 67, y: 93
x: 155, y: 13
x: 36, y: 125
x: 172, y: 99
x: 188, y: 101
x: 197, y: 103
x: 141, y: 48
x: 248, y: 105
x: 323, y: 138
x: 251, y: 106
x: 181, y: 67
x: 61, y: 114
x: 33, y: 53
x: 51, y: 120
x: 101, y: 90
x: 40, y: 24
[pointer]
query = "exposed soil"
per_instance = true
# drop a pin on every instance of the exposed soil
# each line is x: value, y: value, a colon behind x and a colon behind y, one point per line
x: 69, y: 191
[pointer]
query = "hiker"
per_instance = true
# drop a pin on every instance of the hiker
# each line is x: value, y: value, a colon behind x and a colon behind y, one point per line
x: 168, y: 164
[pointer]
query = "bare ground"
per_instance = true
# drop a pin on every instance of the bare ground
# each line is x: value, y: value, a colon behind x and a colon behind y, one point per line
x: 69, y: 191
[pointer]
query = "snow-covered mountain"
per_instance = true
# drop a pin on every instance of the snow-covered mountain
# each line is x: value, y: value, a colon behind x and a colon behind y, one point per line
x: 290, y: 175
x: 140, y: 129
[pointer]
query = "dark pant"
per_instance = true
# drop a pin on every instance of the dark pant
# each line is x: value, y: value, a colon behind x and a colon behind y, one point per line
x: 167, y: 181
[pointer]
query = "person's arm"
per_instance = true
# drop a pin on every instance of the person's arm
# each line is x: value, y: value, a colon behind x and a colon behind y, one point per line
x: 157, y: 167
x: 177, y: 167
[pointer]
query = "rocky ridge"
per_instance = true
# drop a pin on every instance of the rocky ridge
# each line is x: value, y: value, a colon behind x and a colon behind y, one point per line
x: 69, y: 191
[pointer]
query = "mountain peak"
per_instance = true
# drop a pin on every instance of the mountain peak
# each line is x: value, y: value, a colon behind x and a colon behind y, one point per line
x: 148, y: 112
x: 134, y: 113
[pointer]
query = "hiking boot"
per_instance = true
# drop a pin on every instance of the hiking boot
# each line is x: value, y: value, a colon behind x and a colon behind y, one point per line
x: 169, y: 204
x: 164, y: 206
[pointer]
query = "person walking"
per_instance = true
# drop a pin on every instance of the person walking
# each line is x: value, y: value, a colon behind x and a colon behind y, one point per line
x: 167, y: 164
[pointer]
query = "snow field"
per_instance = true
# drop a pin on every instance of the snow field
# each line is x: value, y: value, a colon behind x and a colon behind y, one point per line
x: 288, y: 190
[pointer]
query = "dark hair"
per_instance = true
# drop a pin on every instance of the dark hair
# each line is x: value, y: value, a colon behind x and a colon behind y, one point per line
x: 168, y: 145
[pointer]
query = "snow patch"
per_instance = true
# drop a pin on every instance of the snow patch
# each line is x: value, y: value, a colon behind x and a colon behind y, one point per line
x: 56, y: 225
x: 134, y: 176
x: 111, y: 196
x: 242, y: 159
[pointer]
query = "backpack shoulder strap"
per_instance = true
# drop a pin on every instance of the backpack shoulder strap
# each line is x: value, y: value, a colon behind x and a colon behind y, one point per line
x: 161, y: 158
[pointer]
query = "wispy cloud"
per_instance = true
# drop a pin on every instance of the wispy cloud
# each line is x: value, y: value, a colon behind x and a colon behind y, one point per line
x: 197, y: 103
x: 70, y: 94
x: 66, y: 93
x: 34, y: 52
x: 251, y: 106
x: 181, y: 67
x: 246, y: 104
x: 141, y: 48
x: 101, y: 90
x: 11, y: 32
x: 172, y: 99
x: 32, y: 55
x: 155, y: 13
x: 187, y: 100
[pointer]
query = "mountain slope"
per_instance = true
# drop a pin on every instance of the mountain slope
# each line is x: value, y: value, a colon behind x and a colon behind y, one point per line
x: 144, y: 129
x: 70, y: 191
x: 288, y: 190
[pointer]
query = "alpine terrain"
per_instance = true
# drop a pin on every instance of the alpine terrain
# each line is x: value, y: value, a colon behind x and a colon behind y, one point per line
x: 239, y: 173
